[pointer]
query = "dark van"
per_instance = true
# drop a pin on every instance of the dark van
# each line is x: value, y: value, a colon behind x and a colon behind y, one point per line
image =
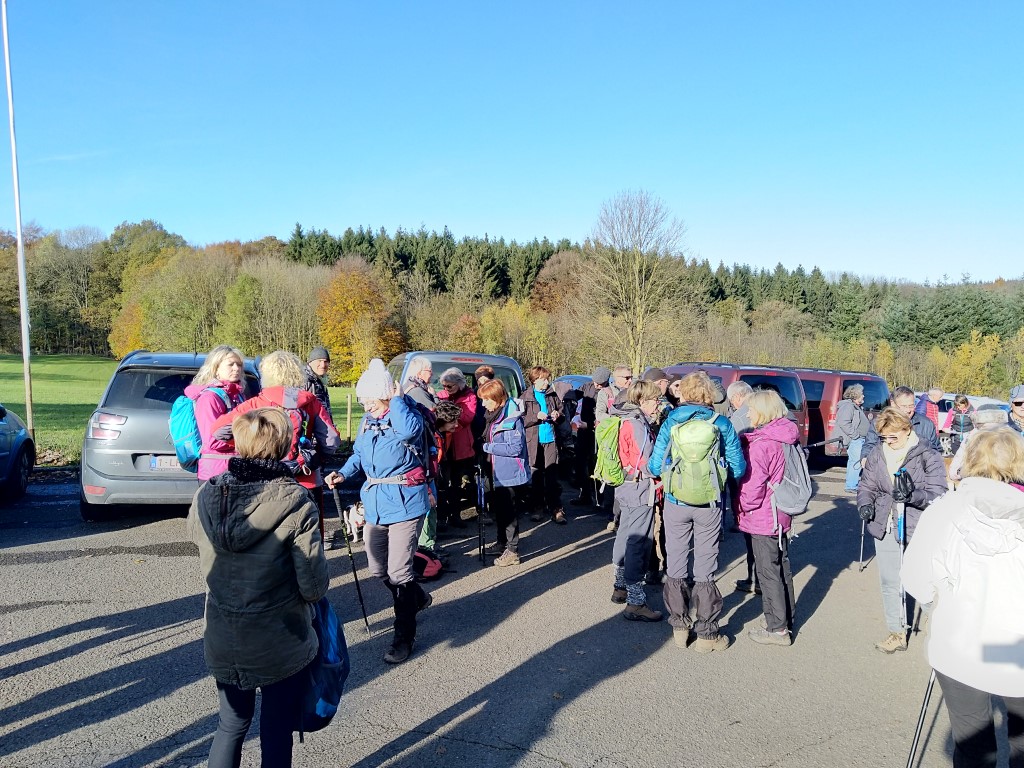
x: 783, y: 381
x: 824, y: 389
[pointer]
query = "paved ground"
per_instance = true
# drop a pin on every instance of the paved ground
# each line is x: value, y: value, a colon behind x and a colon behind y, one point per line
x: 101, y: 658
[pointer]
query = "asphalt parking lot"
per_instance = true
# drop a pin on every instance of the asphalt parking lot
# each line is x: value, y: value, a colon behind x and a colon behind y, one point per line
x: 101, y: 658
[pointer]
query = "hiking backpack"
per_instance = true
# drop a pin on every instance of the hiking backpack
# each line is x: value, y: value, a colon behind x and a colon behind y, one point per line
x: 426, y: 566
x: 184, y: 429
x: 793, y: 493
x: 608, y: 469
x: 696, y: 475
x: 302, y: 433
x: 424, y: 450
x: 327, y: 673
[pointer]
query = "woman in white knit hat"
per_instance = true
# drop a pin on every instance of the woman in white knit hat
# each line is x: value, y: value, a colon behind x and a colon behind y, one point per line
x: 394, y: 495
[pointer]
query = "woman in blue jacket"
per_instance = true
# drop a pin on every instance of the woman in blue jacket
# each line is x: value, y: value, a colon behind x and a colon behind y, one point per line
x: 696, y: 525
x: 394, y: 496
x: 504, y: 442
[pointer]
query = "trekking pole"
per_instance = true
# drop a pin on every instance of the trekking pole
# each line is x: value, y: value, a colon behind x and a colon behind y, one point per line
x: 901, y: 532
x: 481, y: 506
x: 344, y: 532
x: 863, y: 527
x: 920, y: 720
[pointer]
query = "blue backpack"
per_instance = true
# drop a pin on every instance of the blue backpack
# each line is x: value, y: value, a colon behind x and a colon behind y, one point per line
x: 327, y: 672
x: 188, y: 443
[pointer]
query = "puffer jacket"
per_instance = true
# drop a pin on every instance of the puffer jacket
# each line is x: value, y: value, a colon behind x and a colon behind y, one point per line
x: 319, y: 427
x: 505, y: 443
x: 462, y: 438
x: 263, y: 562
x: 959, y: 422
x: 661, y: 456
x: 532, y: 422
x: 851, y: 422
x: 922, y: 426
x: 382, y: 450
x: 967, y: 559
x: 766, y: 463
x: 636, y: 443
x: 926, y: 469
x: 209, y: 406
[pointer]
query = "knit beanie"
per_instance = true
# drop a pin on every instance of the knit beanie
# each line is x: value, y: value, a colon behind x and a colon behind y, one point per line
x: 319, y: 353
x: 601, y: 375
x: 375, y: 383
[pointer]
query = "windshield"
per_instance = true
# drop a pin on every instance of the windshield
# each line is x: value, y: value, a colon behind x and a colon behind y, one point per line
x: 155, y: 388
x: 787, y: 387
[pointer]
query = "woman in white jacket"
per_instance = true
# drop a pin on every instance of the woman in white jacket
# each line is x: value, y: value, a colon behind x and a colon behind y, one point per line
x: 967, y: 557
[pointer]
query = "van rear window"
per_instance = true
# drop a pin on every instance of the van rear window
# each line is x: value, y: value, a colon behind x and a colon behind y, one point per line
x: 814, y: 390
x: 876, y: 393
x: 155, y: 388
x: 788, y: 388
x: 505, y: 375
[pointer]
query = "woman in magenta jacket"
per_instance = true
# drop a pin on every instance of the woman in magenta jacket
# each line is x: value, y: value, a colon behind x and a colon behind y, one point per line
x: 216, y: 389
x: 768, y: 529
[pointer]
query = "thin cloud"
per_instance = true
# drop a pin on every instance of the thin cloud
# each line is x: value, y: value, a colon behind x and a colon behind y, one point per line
x: 71, y: 157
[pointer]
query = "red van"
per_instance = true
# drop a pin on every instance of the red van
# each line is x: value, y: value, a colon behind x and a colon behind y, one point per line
x: 824, y: 389
x: 783, y: 381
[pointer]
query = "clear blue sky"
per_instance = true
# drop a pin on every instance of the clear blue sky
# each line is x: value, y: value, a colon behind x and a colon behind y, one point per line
x: 881, y: 138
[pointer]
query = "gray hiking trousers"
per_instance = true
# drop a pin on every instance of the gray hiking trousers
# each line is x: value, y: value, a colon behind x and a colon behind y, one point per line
x: 697, y: 529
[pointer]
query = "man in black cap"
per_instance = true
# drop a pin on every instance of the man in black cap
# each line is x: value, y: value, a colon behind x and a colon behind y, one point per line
x: 318, y: 363
x: 584, y: 423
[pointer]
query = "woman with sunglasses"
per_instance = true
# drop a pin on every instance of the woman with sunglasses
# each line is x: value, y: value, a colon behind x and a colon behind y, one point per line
x: 899, y: 480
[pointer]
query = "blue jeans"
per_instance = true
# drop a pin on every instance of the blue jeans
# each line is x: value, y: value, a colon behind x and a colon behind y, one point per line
x: 853, y: 463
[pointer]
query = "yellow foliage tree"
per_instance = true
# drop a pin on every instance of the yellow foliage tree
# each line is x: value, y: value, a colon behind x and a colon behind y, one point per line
x: 356, y: 319
x: 885, y: 361
x: 970, y: 367
x: 126, y: 335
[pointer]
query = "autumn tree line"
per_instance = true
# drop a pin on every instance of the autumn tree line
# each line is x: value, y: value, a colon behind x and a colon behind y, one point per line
x: 629, y: 293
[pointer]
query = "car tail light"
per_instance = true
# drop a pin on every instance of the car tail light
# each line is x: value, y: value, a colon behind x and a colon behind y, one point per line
x: 100, y: 426
x: 94, y: 490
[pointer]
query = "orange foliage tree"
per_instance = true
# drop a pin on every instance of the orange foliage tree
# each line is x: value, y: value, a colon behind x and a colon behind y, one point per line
x: 357, y: 319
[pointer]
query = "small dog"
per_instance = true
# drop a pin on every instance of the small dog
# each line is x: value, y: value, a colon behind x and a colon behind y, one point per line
x: 355, y: 519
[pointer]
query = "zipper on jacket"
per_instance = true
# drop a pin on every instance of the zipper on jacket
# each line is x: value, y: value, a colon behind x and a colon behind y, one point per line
x: 224, y: 514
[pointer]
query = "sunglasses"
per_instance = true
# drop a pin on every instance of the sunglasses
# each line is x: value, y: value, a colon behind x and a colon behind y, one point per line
x: 1018, y: 403
x: 890, y: 438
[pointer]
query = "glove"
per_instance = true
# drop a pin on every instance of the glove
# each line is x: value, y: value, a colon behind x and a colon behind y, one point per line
x: 902, y: 487
x: 867, y: 512
x: 293, y: 466
x: 310, y: 458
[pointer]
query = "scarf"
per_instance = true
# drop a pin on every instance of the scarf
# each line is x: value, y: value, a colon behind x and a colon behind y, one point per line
x: 894, y: 457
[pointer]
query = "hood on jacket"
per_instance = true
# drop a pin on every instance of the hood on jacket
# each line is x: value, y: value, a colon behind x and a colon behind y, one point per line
x: 781, y: 431
x: 252, y: 512
x: 233, y: 388
x: 994, y: 523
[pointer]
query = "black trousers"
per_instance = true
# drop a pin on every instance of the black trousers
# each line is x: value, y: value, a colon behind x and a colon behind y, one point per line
x: 585, y: 458
x: 504, y: 507
x: 546, y: 491
x: 776, y: 580
x: 974, y: 733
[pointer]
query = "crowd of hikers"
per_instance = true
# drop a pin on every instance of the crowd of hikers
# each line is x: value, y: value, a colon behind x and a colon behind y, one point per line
x: 672, y: 462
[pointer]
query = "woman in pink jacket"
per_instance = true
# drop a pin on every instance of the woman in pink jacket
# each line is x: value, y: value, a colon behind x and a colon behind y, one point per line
x: 767, y: 529
x: 216, y: 389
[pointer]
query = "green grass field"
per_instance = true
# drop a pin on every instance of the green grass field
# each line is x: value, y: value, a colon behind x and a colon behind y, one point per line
x: 66, y: 390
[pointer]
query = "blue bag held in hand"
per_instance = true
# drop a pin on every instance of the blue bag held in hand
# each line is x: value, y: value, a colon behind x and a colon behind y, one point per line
x: 327, y: 672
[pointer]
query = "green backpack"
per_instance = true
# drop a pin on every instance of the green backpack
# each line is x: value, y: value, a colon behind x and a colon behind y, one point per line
x: 696, y: 475
x: 609, y: 468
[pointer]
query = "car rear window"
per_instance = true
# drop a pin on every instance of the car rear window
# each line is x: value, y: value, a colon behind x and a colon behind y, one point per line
x: 154, y: 388
x: 787, y: 387
x: 876, y: 393
x: 505, y: 375
x: 814, y: 390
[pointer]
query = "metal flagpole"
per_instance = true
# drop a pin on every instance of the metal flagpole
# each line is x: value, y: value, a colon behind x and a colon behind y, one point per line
x: 22, y: 289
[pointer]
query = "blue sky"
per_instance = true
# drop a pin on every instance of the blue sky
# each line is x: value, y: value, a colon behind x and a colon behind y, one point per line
x: 879, y: 138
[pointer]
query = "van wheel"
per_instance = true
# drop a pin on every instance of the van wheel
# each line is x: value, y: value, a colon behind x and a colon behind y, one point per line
x: 92, y: 513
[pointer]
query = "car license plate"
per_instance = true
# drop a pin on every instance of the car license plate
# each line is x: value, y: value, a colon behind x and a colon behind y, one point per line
x: 159, y: 463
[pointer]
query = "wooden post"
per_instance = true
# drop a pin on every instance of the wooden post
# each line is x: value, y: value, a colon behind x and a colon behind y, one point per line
x: 348, y: 416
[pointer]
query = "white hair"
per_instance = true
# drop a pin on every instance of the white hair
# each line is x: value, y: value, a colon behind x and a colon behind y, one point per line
x: 453, y: 376
x: 418, y: 364
x: 739, y: 389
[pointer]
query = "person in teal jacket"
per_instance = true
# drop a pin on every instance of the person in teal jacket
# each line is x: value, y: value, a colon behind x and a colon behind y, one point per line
x: 698, y: 527
x: 394, y: 495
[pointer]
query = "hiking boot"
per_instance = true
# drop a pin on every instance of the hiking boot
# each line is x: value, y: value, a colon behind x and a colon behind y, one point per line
x: 681, y: 636
x: 641, y: 613
x: 611, y: 527
x: 538, y: 517
x: 506, y: 558
x: 618, y: 596
x: 424, y: 601
x: 399, y: 651
x: 559, y: 517
x: 764, y: 637
x: 896, y: 641
x: 709, y: 644
x: 746, y: 585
